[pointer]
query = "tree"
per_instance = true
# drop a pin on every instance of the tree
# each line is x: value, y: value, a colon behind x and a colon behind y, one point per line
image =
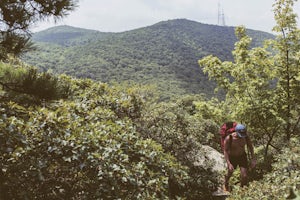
x: 262, y: 84
x: 86, y: 147
x: 249, y: 93
x: 287, y: 63
x: 17, y: 17
x: 24, y: 84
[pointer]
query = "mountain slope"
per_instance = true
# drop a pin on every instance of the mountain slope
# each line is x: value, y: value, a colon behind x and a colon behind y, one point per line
x: 165, y: 53
x: 65, y: 35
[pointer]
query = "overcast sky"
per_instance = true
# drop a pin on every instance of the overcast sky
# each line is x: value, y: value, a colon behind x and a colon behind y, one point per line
x: 123, y: 15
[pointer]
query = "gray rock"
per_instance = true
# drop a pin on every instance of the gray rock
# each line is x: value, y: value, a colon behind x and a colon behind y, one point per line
x: 207, y: 157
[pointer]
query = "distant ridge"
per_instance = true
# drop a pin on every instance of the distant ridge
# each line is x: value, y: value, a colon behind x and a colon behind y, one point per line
x: 64, y: 28
x: 165, y: 53
x: 61, y: 34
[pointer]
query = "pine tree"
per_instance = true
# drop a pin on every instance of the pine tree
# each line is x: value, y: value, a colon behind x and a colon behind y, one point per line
x: 17, y: 17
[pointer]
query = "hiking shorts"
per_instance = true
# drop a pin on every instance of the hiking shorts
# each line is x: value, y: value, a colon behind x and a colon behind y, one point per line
x: 239, y: 161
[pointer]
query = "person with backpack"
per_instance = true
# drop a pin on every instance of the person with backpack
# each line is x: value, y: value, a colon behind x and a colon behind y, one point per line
x: 235, y: 154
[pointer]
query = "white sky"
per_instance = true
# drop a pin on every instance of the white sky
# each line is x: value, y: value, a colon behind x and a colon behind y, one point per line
x: 123, y: 15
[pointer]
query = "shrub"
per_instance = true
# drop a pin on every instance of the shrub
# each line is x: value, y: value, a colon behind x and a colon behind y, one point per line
x: 278, y: 184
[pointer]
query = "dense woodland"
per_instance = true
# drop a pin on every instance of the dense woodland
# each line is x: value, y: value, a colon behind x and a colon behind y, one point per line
x: 165, y: 53
x: 67, y: 132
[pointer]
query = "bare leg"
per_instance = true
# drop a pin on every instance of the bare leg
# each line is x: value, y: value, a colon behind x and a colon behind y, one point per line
x: 244, y: 176
x: 227, y: 177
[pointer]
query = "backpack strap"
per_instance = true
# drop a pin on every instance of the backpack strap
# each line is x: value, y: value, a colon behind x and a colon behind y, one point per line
x: 230, y: 140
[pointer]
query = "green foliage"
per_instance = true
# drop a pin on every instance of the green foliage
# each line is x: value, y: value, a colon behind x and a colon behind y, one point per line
x: 26, y: 85
x: 164, y: 54
x: 17, y: 18
x: 175, y: 126
x: 81, y: 149
x: 11, y: 43
x: 279, y: 183
x: 287, y: 64
x: 101, y: 142
x: 262, y: 91
x: 261, y: 86
x: 212, y: 110
x: 249, y: 82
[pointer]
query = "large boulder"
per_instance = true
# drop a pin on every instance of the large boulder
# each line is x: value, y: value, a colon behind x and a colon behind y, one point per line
x: 207, y: 157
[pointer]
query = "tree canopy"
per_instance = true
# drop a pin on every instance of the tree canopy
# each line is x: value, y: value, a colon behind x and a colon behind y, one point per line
x: 67, y: 138
x: 262, y: 90
x: 18, y: 16
x: 262, y: 84
x: 165, y: 53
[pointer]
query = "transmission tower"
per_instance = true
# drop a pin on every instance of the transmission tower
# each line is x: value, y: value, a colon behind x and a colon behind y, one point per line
x: 221, y: 16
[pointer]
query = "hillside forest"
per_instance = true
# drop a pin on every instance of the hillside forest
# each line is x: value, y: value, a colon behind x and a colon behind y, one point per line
x: 163, y: 55
x: 68, y: 132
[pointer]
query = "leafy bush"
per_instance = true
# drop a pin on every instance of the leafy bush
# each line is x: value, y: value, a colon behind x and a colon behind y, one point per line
x: 77, y: 149
x: 95, y: 145
x: 26, y: 85
x: 278, y: 184
x: 175, y: 127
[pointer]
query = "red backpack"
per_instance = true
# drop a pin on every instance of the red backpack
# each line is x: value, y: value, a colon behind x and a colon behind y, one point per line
x: 226, y: 129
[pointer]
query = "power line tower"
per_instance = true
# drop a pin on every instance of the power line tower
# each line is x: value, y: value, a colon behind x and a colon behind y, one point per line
x: 221, y: 16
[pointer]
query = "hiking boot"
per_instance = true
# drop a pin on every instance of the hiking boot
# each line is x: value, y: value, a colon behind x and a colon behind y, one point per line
x: 221, y: 192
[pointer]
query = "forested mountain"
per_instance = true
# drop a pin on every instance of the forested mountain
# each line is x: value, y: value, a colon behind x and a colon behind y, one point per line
x: 63, y: 137
x: 165, y: 53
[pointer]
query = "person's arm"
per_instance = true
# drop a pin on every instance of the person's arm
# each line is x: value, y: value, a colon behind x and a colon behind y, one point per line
x: 251, y: 150
x: 227, y: 144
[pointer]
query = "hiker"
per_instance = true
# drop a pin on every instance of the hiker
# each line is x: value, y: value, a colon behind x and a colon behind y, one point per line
x: 235, y: 154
